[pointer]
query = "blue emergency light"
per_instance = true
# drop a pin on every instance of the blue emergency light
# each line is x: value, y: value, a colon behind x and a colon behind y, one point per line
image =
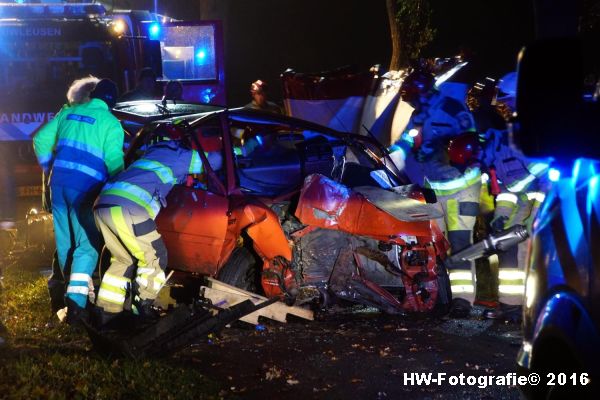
x: 154, y: 30
x: 201, y: 54
x: 553, y: 174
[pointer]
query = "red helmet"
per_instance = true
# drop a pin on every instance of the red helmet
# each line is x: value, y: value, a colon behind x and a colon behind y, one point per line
x: 175, y: 131
x: 416, y: 84
x: 463, y: 149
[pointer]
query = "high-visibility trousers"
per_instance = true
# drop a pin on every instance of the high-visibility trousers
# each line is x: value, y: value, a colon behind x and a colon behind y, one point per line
x: 460, y: 208
x: 138, y: 257
x: 518, y: 209
x: 77, y: 240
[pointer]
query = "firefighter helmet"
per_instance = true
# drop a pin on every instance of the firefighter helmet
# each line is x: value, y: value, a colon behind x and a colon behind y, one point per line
x: 258, y: 86
x: 507, y: 86
x: 416, y: 84
x: 463, y: 149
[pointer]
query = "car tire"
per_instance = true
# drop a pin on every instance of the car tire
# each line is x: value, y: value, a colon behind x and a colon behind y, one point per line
x: 241, y: 270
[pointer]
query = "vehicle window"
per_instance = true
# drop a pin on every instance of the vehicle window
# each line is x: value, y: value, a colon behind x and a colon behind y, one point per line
x: 209, y: 135
x: 268, y: 157
x: 41, y: 59
x: 188, y: 51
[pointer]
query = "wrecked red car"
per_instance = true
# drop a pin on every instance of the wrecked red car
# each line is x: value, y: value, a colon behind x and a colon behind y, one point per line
x: 296, y: 209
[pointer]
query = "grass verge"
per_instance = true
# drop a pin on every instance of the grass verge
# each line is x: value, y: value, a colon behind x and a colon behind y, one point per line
x: 40, y: 362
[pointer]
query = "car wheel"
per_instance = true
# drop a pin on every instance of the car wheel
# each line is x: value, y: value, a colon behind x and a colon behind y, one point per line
x: 241, y: 270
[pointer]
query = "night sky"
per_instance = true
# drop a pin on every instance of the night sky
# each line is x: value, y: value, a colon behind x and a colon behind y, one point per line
x: 265, y: 37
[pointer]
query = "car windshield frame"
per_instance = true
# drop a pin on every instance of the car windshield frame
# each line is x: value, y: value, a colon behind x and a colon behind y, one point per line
x: 366, y: 144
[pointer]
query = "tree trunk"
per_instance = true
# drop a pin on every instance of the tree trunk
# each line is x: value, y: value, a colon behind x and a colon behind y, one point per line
x: 392, y: 10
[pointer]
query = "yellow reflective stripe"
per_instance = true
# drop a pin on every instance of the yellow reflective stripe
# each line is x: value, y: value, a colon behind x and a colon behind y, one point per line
x: 114, y: 280
x: 537, y: 168
x: 519, y: 186
x: 142, y: 271
x: 506, y: 273
x: 126, y: 236
x: 157, y: 281
x: 511, y: 289
x: 195, y: 163
x: 141, y: 281
x: 111, y: 297
x: 461, y: 281
x: 470, y: 177
x: 452, y: 211
x: 460, y: 275
x: 537, y: 196
x: 164, y: 173
x: 509, y: 197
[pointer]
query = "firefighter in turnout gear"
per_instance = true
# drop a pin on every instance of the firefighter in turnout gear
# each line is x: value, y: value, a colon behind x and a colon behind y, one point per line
x: 522, y: 190
x: 125, y: 213
x: 81, y: 147
x: 440, y: 119
x: 258, y: 91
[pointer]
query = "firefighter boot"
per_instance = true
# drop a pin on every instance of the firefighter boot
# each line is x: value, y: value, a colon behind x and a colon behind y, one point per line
x: 147, y: 312
x: 75, y: 314
x: 102, y: 320
x: 505, y: 312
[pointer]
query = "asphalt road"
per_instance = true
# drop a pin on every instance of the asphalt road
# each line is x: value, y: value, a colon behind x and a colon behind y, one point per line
x: 359, y: 355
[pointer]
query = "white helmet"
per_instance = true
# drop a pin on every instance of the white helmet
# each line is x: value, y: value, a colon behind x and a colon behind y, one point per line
x: 507, y: 86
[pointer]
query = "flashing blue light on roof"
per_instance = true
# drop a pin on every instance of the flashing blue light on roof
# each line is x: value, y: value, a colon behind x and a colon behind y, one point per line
x: 201, y: 54
x: 154, y: 30
x: 553, y: 175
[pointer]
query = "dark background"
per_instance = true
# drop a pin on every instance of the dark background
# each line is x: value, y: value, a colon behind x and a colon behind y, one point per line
x: 265, y: 37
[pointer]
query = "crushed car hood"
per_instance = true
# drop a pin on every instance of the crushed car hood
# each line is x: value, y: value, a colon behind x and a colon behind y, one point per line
x: 399, y: 205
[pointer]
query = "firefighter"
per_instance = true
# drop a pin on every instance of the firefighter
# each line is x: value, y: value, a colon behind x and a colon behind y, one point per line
x: 258, y: 90
x: 173, y: 91
x: 438, y: 119
x: 125, y: 212
x: 521, y: 183
x: 82, y: 146
x: 145, y: 88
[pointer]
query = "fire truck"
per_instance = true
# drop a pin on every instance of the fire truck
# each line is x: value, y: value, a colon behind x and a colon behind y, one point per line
x: 45, y: 46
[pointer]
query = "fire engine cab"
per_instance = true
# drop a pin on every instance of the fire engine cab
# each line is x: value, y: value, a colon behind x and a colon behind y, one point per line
x: 44, y: 46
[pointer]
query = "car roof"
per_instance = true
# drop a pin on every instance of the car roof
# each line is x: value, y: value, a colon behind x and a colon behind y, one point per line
x: 257, y: 116
x: 145, y: 111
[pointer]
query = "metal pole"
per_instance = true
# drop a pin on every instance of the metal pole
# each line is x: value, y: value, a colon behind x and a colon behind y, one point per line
x: 155, y: 6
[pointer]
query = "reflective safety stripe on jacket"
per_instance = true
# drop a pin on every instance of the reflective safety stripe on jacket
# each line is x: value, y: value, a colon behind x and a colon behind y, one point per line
x: 147, y: 182
x: 471, y: 177
x: 83, y: 145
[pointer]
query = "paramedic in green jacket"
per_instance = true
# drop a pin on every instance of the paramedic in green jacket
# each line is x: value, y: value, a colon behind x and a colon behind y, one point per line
x: 126, y: 211
x: 81, y: 148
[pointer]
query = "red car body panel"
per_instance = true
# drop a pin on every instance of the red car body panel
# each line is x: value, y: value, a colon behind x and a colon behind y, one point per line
x: 327, y: 204
x: 194, y: 229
